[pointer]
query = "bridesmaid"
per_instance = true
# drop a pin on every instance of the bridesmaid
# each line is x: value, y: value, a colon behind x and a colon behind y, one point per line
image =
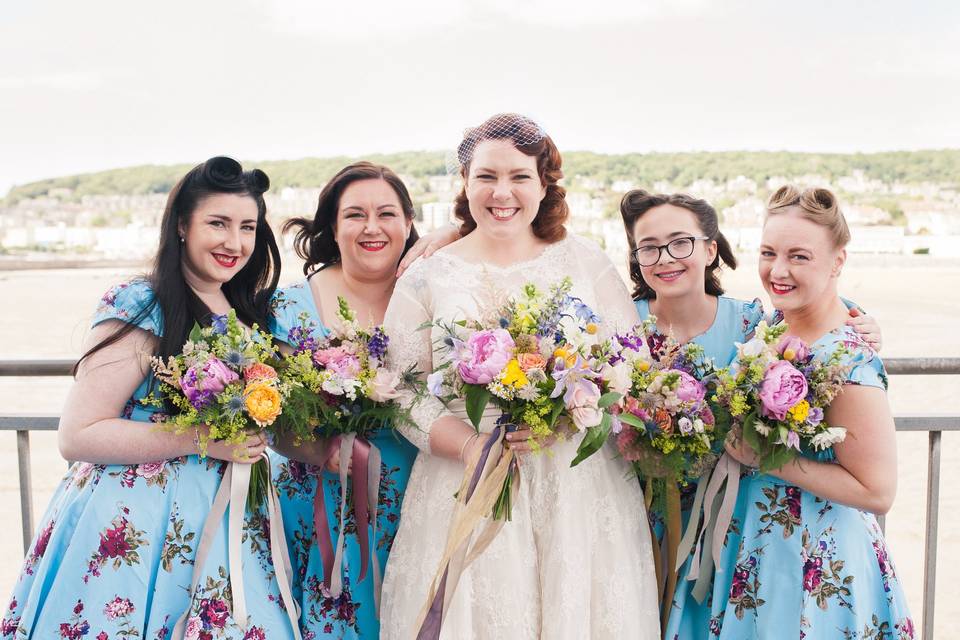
x: 351, y: 248
x: 115, y: 552
x: 804, y: 556
x: 676, y: 255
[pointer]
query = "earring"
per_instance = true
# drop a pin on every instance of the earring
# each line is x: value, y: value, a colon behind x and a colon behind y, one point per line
x: 182, y: 240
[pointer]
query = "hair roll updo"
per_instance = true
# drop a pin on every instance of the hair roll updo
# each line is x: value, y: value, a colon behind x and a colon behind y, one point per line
x: 553, y: 211
x: 637, y: 202
x: 816, y: 204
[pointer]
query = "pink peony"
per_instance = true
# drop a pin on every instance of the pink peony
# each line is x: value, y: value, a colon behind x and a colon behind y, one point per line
x: 583, y: 406
x: 150, y: 469
x: 214, y: 612
x: 201, y: 382
x: 338, y: 360
x: 782, y: 388
x: 689, y: 389
x: 484, y: 355
x: 794, y: 347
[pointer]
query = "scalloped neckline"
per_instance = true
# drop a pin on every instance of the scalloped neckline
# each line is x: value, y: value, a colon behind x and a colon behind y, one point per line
x: 553, y: 246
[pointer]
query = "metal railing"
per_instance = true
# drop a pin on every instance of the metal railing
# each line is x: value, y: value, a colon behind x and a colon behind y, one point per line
x: 934, y: 424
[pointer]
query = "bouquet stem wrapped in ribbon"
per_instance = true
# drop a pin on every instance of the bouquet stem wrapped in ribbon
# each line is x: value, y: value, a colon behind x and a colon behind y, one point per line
x: 537, y: 359
x: 775, y: 396
x: 343, y: 393
x: 225, y: 380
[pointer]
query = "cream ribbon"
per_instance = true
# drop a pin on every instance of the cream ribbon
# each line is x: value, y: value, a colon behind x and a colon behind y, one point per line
x: 232, y: 492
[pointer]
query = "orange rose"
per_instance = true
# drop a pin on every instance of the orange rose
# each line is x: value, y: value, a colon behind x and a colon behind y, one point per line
x: 259, y: 371
x: 662, y: 418
x: 263, y: 402
x: 531, y: 361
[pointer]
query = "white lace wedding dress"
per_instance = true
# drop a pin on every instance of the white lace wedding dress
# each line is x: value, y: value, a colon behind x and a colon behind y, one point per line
x: 575, y: 562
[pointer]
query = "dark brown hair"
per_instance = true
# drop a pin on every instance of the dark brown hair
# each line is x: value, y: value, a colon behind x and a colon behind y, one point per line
x: 553, y: 212
x: 637, y: 202
x: 315, y: 242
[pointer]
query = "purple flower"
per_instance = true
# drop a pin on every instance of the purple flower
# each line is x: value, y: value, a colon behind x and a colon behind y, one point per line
x: 202, y: 382
x: 378, y: 344
x: 218, y: 323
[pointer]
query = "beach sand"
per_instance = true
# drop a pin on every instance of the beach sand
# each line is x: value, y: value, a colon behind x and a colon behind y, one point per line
x: 46, y: 315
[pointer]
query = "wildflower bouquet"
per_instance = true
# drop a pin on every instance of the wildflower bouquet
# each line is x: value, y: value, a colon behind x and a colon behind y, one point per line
x: 342, y: 392
x: 776, y: 392
x: 537, y: 358
x: 225, y: 378
x: 664, y: 427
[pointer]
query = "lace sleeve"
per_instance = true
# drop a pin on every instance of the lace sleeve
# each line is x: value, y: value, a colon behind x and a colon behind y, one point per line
x: 409, y: 308
x: 616, y: 309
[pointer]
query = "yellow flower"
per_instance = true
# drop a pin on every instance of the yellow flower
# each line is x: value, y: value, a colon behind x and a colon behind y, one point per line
x: 789, y: 354
x: 263, y: 402
x: 800, y: 411
x: 643, y: 365
x: 592, y: 328
x: 514, y: 376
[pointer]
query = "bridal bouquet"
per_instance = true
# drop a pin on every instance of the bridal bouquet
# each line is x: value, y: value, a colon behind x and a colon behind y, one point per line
x: 342, y: 392
x: 225, y: 378
x: 537, y: 357
x: 665, y: 427
x: 776, y: 392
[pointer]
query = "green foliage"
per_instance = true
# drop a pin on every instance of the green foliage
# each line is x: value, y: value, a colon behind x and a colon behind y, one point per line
x: 939, y: 166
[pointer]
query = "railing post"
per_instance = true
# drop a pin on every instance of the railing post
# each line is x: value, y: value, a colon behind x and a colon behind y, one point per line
x: 26, y: 490
x: 930, y: 542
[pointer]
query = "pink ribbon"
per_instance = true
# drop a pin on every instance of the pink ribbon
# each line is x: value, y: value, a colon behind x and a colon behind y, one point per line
x: 365, y: 476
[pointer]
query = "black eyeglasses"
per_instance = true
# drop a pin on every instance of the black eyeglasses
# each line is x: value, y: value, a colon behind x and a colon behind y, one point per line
x: 678, y: 248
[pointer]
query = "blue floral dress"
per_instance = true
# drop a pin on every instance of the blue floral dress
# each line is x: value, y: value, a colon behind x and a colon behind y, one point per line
x: 353, y: 614
x: 114, y: 554
x: 795, y: 565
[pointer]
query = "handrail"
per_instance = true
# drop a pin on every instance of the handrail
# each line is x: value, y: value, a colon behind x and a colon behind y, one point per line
x: 934, y: 424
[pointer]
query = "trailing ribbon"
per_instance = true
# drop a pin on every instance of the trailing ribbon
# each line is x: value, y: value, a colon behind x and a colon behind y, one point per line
x: 365, y: 477
x: 481, y: 486
x: 718, y: 512
x: 665, y: 555
x: 232, y: 492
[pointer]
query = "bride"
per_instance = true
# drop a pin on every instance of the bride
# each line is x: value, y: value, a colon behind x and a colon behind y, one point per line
x: 575, y: 560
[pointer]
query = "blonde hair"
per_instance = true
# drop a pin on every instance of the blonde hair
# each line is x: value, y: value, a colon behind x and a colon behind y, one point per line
x: 818, y: 205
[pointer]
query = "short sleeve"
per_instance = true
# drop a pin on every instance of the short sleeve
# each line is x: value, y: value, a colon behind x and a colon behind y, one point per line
x: 131, y: 302
x: 287, y: 305
x: 866, y: 367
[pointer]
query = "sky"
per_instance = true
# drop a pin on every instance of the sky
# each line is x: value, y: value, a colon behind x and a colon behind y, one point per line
x: 93, y: 85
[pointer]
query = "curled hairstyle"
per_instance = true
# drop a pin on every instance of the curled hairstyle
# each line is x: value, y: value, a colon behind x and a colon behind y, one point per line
x: 315, y: 241
x: 248, y: 292
x: 816, y: 204
x: 519, y: 130
x: 637, y: 202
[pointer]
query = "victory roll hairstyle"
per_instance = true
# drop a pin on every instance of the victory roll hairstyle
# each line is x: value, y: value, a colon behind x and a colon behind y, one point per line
x: 637, y: 202
x: 816, y: 204
x: 248, y: 292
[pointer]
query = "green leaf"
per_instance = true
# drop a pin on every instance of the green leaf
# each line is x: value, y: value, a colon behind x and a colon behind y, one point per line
x: 750, y: 435
x: 555, y: 412
x: 609, y: 398
x: 632, y: 420
x: 593, y: 440
x: 476, y: 397
x: 196, y: 334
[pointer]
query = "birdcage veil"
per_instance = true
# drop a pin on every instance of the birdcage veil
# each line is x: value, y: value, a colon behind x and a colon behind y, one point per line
x: 519, y: 129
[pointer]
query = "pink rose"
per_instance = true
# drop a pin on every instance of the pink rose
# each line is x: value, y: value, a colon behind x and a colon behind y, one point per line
x: 583, y: 405
x: 383, y: 387
x: 689, y: 389
x: 794, y: 347
x: 782, y: 388
x: 150, y: 469
x: 484, y: 355
x: 339, y: 361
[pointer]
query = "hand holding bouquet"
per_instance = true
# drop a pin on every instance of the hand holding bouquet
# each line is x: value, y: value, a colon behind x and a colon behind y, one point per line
x: 224, y: 386
x: 776, y: 392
